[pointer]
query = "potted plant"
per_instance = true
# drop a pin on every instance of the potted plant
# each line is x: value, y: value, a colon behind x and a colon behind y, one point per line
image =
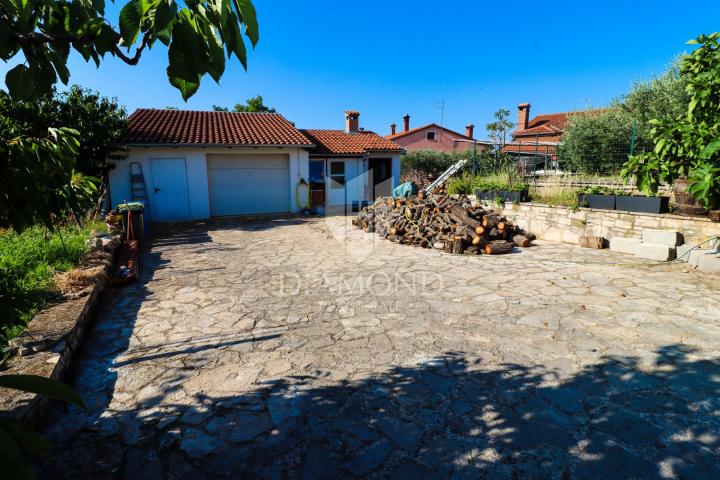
x: 642, y: 203
x: 518, y: 192
x: 602, y: 198
x: 487, y: 191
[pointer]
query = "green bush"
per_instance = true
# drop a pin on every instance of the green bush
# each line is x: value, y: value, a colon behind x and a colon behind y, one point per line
x: 28, y: 262
x: 464, y: 184
x: 429, y: 162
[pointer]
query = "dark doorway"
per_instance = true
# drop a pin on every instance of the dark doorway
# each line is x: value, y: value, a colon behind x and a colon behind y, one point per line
x: 382, y: 177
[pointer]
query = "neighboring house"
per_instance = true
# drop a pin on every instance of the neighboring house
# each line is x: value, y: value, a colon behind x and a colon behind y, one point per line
x: 198, y: 165
x: 433, y: 137
x: 540, y: 135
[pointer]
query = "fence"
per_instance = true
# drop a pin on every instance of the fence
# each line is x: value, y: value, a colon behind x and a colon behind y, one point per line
x: 538, y: 156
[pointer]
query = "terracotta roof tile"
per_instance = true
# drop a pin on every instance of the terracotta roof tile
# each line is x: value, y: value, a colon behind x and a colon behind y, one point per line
x: 172, y: 127
x: 339, y: 142
x: 429, y: 125
x: 550, y: 123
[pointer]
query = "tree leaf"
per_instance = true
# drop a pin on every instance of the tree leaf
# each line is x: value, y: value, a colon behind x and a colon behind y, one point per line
x: 246, y: 10
x: 712, y: 147
x: 187, y: 87
x: 130, y: 20
x: 19, y: 82
x: 165, y: 13
x: 43, y: 386
x: 12, y: 460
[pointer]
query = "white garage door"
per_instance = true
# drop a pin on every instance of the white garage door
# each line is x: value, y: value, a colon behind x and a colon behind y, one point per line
x: 249, y: 184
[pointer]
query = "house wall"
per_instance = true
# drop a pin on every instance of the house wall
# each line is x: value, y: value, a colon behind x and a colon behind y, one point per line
x: 197, y: 178
x: 443, y: 141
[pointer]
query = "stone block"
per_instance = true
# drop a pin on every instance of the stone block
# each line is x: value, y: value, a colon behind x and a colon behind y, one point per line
x: 670, y: 238
x: 655, y: 251
x: 624, y: 245
x: 709, y: 263
x: 697, y: 256
x: 683, y: 252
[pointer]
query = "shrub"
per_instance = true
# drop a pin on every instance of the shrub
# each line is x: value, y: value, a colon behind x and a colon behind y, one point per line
x: 689, y: 144
x: 464, y: 184
x: 429, y: 162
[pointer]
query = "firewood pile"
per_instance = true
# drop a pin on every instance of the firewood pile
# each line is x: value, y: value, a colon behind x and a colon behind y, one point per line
x: 442, y: 222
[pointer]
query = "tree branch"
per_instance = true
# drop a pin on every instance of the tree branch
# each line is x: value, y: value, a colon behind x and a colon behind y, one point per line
x: 34, y: 38
x: 135, y: 58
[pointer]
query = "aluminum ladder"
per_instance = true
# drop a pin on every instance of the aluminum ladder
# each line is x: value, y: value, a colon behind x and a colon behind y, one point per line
x: 138, y: 191
x: 446, y: 174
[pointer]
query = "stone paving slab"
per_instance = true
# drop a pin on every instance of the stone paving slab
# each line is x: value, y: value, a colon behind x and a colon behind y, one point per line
x: 305, y: 349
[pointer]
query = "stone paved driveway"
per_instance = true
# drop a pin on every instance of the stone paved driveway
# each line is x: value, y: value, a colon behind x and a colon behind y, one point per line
x: 297, y: 349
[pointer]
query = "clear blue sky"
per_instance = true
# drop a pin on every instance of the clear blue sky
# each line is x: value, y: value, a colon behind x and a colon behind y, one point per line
x: 316, y: 59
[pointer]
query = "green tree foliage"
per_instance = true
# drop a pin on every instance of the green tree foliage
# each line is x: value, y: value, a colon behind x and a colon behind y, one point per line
x: 601, y: 141
x: 596, y: 141
x: 499, y: 129
x: 254, y: 104
x: 35, y: 172
x: 428, y: 162
x: 44, y: 32
x: 688, y: 144
x: 100, y: 121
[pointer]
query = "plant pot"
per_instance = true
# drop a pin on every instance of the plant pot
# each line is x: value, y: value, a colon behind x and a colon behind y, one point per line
x: 642, y: 204
x: 514, y: 196
x: 488, y: 196
x: 597, y: 201
x: 685, y: 202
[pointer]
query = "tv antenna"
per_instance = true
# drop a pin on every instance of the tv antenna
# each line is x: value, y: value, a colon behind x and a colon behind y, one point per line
x: 441, y: 106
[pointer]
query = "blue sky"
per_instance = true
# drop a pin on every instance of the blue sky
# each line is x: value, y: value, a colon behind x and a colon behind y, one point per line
x: 316, y: 59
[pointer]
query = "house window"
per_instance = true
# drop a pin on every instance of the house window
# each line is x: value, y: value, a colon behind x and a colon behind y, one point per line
x: 317, y: 173
x: 337, y: 174
x: 430, y: 135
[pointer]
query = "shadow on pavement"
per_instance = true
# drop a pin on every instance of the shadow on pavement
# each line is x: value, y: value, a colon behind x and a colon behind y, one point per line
x: 446, y: 418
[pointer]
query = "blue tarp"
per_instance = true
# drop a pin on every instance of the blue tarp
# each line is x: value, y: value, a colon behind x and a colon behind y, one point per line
x: 406, y: 189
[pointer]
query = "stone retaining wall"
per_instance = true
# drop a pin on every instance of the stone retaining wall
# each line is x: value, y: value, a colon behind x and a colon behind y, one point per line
x: 49, y: 342
x: 562, y: 224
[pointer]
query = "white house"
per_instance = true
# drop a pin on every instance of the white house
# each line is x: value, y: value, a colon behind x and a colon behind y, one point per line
x: 197, y: 165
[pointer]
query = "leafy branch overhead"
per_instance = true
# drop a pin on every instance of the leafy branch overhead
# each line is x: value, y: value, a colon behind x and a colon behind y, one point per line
x: 198, y: 37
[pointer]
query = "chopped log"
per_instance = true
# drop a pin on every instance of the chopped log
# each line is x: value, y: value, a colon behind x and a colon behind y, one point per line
x: 521, y: 241
x: 593, y: 242
x: 530, y: 236
x: 457, y: 246
x: 501, y: 225
x: 498, y: 247
x: 479, y: 229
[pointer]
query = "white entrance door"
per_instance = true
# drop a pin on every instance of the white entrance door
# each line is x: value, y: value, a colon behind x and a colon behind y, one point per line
x: 248, y: 184
x: 337, y: 177
x: 169, y: 190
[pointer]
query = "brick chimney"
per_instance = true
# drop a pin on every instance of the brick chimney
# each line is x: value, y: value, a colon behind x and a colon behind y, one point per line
x: 523, y: 116
x: 392, y: 128
x: 352, y: 121
x: 406, y: 123
x: 469, y: 130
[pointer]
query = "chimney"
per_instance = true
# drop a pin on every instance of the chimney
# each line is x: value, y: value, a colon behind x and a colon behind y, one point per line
x: 523, y: 116
x: 352, y: 122
x: 469, y: 130
x: 406, y: 123
x: 392, y: 129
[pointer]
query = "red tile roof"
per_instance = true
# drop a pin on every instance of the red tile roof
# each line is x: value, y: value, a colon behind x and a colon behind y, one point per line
x: 549, y: 124
x: 429, y: 125
x: 186, y: 127
x: 339, y: 142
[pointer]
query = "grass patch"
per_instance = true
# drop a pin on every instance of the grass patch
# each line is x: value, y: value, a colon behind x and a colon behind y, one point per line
x: 28, y: 264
